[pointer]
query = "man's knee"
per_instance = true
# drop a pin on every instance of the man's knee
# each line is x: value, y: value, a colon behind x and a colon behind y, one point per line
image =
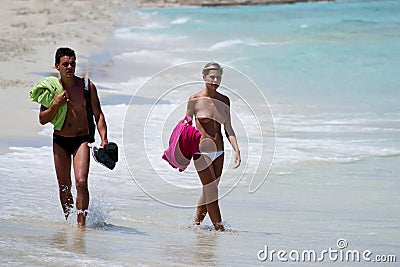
x: 81, y: 183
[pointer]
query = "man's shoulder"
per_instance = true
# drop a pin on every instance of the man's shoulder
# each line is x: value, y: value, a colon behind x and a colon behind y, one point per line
x: 87, y: 84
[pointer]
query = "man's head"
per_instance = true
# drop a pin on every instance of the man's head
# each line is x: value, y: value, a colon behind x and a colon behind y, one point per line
x: 65, y: 62
x: 64, y: 51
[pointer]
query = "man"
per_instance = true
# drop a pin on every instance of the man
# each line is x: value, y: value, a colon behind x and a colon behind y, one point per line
x: 72, y: 139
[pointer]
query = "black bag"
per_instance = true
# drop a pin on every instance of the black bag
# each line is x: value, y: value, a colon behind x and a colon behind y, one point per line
x: 89, y: 111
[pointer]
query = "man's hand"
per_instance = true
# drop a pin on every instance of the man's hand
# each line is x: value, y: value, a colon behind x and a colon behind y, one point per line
x: 60, y: 99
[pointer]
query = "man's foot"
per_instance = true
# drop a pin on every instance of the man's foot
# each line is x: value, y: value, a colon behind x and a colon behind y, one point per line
x: 82, y: 219
x: 68, y: 211
x: 81, y: 227
x: 219, y: 227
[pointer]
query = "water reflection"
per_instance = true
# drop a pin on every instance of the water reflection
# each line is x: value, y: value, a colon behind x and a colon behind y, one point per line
x: 204, y: 247
x: 73, y: 241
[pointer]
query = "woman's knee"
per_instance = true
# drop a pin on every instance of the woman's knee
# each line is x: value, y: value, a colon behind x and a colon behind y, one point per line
x: 211, y: 192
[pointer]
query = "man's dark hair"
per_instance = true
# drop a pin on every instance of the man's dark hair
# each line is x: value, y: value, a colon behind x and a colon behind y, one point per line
x: 64, y: 51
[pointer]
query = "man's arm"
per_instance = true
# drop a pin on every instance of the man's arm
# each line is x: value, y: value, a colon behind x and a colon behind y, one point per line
x: 98, y: 115
x: 47, y: 114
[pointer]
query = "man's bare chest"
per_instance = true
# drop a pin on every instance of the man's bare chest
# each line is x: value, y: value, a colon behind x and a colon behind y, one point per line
x: 76, y: 98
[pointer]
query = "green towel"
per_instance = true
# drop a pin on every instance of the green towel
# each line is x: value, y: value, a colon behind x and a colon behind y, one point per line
x: 43, y: 93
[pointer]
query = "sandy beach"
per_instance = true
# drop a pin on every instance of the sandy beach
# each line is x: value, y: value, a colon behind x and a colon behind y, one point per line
x: 32, y: 31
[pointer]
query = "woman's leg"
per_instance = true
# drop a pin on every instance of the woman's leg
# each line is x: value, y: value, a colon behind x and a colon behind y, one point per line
x: 201, y: 210
x: 208, y: 201
x: 218, y: 164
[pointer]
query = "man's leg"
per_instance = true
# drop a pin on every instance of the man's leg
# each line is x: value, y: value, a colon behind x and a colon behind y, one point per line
x: 62, y: 163
x: 81, y: 170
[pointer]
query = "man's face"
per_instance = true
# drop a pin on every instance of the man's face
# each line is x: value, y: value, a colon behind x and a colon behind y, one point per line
x: 67, y: 66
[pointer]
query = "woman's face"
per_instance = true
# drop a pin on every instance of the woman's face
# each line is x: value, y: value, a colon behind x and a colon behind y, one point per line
x: 213, y: 79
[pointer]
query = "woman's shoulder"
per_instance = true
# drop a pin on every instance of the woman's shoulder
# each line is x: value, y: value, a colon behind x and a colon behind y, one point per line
x: 196, y: 95
x: 223, y: 98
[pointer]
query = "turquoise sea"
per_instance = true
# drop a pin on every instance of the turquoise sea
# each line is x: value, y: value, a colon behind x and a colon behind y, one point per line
x: 314, y: 90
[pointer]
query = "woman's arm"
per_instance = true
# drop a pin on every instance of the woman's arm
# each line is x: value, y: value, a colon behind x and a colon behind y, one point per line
x: 190, y: 107
x: 230, y: 134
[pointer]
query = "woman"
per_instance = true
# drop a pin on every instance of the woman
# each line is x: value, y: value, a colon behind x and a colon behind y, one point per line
x: 211, y: 109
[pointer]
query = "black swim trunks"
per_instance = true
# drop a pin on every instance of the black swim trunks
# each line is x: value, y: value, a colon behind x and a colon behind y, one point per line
x: 70, y: 144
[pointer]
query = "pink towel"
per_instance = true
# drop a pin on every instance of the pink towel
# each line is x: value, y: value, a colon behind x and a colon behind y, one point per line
x: 183, y: 143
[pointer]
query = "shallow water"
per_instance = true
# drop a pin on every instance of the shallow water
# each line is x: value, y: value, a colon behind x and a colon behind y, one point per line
x: 329, y: 74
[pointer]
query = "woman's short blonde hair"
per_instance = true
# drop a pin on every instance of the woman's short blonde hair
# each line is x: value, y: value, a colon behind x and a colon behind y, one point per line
x: 211, y: 66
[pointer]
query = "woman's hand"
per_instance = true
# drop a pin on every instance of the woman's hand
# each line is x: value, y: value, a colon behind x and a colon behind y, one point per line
x: 238, y: 160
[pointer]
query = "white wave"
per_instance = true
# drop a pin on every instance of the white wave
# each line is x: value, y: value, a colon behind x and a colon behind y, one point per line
x: 122, y: 87
x: 337, y: 123
x: 145, y: 26
x: 294, y: 150
x: 142, y: 21
x: 137, y: 53
x: 234, y: 42
x: 149, y: 38
x: 304, y: 26
x: 182, y: 20
x: 147, y: 56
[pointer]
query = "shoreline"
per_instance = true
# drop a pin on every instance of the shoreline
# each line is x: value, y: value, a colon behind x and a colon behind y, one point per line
x: 211, y: 3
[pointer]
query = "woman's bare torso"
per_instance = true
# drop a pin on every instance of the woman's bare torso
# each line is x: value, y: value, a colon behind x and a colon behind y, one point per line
x: 210, y: 113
